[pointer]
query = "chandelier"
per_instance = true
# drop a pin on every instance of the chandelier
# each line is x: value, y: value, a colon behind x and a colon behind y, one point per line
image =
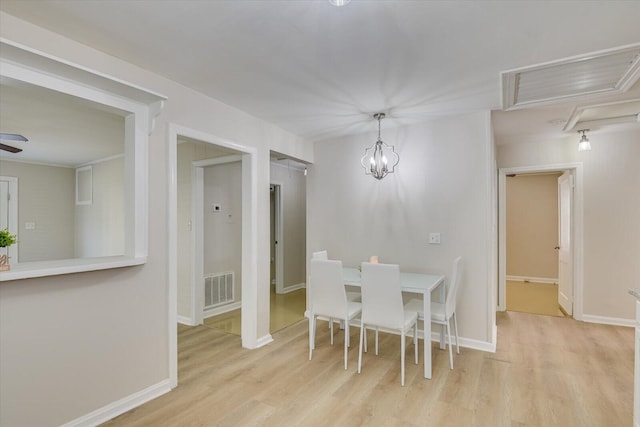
x: 375, y: 161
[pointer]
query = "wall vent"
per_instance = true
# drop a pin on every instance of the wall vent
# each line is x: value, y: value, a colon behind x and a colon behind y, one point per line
x: 218, y: 289
x: 611, y: 71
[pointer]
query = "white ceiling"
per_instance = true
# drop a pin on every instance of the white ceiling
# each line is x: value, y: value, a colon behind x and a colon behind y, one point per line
x: 320, y: 71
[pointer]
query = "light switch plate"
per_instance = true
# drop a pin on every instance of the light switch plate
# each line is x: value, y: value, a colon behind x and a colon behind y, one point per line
x: 434, y: 238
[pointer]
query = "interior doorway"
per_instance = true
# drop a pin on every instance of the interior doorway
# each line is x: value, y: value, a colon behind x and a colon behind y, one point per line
x: 532, y: 236
x: 252, y: 334
x: 275, y: 234
x: 564, y: 284
x: 287, y: 241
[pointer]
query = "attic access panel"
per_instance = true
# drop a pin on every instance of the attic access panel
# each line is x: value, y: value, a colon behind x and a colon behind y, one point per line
x: 613, y: 71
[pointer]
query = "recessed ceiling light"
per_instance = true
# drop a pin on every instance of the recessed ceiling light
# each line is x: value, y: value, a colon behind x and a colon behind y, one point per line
x: 339, y: 3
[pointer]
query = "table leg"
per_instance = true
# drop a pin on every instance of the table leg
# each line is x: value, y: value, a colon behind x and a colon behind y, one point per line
x: 427, y: 334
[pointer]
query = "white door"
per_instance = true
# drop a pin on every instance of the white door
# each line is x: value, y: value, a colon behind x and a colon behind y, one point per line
x: 565, y: 265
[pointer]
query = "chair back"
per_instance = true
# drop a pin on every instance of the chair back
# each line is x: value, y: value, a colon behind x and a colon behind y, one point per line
x: 320, y: 255
x: 450, y: 300
x: 328, y: 296
x: 382, y: 295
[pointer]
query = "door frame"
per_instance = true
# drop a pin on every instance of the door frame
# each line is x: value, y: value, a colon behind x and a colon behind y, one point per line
x: 249, y: 155
x: 197, y: 232
x: 577, y: 227
x: 570, y: 300
x: 277, y: 195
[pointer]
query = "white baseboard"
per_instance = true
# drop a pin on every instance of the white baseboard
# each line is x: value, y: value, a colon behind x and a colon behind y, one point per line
x: 222, y: 309
x: 261, y: 342
x: 615, y: 321
x: 185, y: 320
x: 533, y: 279
x: 287, y: 289
x: 435, y: 337
x: 464, y: 342
x: 121, y: 406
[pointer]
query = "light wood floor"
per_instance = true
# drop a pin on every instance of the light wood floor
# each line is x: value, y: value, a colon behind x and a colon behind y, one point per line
x: 536, y: 298
x: 547, y: 371
x: 286, y: 309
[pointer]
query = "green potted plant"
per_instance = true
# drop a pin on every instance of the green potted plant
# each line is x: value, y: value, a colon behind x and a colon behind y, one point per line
x: 6, y: 239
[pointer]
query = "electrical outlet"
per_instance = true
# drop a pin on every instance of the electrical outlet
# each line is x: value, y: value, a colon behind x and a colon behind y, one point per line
x: 434, y: 238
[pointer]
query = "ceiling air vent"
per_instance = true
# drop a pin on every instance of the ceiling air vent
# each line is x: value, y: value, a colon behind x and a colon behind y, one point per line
x: 611, y: 71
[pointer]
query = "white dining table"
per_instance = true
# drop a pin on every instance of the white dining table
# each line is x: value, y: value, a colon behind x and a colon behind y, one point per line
x: 415, y: 283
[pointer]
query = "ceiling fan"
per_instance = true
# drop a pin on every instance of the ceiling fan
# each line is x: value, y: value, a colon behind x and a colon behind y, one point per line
x: 11, y: 137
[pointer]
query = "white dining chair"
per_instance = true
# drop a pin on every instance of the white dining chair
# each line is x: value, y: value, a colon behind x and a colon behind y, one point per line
x: 320, y: 255
x: 351, y: 295
x: 442, y: 314
x: 329, y: 298
x: 382, y: 307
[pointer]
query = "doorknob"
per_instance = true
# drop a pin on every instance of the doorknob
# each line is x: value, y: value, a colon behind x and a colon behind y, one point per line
x: 557, y: 247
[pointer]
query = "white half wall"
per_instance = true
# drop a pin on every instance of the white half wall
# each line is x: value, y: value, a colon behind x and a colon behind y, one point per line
x: 442, y: 184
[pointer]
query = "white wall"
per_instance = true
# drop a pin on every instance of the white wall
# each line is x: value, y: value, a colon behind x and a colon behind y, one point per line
x: 293, y: 193
x: 100, y: 225
x: 46, y: 197
x: 75, y: 343
x: 611, y: 212
x: 443, y: 184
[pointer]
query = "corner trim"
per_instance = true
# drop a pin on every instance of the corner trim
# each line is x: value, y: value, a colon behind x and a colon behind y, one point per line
x: 184, y: 320
x: 222, y: 309
x: 121, y: 406
x: 287, y: 289
x: 614, y: 321
x: 261, y: 342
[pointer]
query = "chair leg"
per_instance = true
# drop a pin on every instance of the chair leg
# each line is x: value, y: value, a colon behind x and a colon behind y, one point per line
x: 346, y: 332
x: 402, y: 343
x: 455, y: 328
x: 346, y: 343
x: 450, y: 344
x: 415, y: 340
x: 360, y: 348
x: 331, y: 328
x: 312, y: 337
x: 365, y: 340
x: 376, y: 340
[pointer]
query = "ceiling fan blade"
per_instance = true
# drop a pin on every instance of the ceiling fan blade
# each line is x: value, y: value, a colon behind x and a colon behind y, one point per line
x: 12, y: 137
x: 10, y: 148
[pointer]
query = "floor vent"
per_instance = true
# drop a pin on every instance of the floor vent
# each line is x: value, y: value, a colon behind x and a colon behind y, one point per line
x: 218, y: 289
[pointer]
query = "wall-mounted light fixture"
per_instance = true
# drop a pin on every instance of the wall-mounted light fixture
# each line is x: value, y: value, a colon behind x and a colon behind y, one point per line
x: 584, y: 144
x: 339, y: 3
x: 375, y: 161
